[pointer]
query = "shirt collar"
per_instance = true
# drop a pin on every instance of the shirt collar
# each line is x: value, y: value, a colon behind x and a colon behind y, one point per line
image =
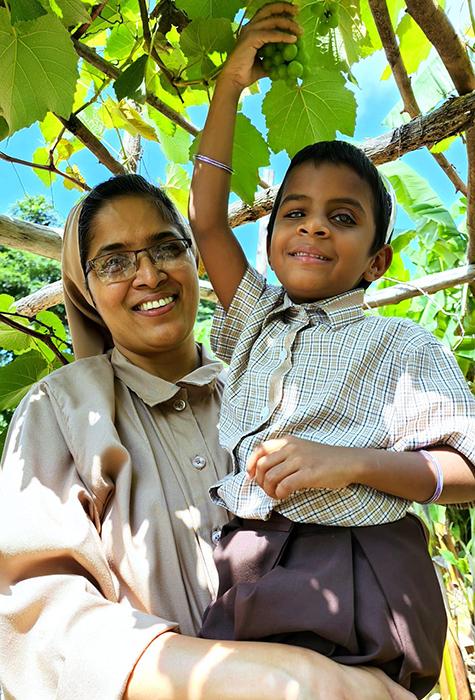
x: 154, y: 390
x: 336, y: 311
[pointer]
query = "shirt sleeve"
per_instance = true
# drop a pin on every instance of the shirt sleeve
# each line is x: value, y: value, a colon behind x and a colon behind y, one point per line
x: 432, y: 404
x: 63, y: 631
x: 247, y: 303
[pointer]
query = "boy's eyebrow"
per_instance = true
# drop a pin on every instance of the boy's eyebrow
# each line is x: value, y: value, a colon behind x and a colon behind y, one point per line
x: 125, y: 245
x: 295, y: 197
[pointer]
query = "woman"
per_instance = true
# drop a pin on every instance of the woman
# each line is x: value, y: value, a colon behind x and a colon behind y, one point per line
x: 106, y: 530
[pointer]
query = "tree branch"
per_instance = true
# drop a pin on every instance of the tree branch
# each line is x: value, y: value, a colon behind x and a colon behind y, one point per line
x: 111, y: 71
x: 429, y: 284
x: 46, y: 339
x: 380, y: 12
x: 50, y: 168
x: 33, y: 238
x: 436, y: 26
x: 95, y: 12
x: 451, y: 118
x: 78, y: 129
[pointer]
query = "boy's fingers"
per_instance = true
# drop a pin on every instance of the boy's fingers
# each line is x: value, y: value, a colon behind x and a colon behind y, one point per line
x: 276, y: 8
x: 274, y: 23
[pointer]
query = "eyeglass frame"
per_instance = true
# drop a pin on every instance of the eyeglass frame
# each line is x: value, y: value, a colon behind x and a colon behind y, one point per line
x: 90, y: 263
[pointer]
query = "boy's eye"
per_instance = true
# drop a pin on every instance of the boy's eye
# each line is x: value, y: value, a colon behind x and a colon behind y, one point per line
x: 343, y: 218
x: 294, y: 214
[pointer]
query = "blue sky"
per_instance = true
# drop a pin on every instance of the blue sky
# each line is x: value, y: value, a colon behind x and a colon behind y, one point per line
x: 375, y: 98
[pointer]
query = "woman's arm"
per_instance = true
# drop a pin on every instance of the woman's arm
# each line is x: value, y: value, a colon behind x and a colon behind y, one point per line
x: 208, y: 206
x: 183, y: 668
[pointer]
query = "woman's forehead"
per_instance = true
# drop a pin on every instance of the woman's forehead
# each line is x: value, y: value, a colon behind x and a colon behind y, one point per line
x: 128, y: 220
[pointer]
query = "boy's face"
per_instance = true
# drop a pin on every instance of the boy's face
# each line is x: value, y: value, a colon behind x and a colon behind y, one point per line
x: 323, y: 233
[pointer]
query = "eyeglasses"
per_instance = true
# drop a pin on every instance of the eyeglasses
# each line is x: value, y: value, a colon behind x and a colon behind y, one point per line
x: 122, y: 265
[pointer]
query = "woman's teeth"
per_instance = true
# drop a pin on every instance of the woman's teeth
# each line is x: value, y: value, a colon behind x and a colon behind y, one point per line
x: 156, y: 304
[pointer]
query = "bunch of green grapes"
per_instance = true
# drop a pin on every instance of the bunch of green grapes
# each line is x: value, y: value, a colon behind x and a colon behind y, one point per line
x: 326, y: 12
x: 283, y: 61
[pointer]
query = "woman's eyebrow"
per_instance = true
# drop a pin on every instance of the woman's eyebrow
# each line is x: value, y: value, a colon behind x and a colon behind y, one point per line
x: 125, y: 245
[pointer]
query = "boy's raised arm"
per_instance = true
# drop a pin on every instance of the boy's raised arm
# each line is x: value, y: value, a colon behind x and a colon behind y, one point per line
x: 208, y: 205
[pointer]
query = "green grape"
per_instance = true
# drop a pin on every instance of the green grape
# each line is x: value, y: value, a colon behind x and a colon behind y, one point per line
x: 267, y: 50
x: 295, y: 69
x: 318, y: 9
x: 267, y: 64
x: 283, y: 61
x: 289, y: 52
x: 323, y: 26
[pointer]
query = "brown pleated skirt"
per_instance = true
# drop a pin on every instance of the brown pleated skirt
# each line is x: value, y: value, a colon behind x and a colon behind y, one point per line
x: 359, y: 595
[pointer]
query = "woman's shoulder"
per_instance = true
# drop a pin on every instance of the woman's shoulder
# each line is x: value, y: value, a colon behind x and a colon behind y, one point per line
x: 81, y: 375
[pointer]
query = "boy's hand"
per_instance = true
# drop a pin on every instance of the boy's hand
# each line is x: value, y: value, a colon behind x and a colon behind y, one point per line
x: 271, y: 24
x: 290, y: 463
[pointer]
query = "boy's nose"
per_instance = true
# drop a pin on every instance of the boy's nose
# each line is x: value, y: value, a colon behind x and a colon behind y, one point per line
x: 147, y: 274
x: 315, y: 226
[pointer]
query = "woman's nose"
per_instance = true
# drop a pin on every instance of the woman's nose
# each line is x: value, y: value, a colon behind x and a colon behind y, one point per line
x: 148, y: 273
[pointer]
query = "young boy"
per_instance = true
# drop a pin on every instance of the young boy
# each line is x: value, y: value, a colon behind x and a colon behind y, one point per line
x: 326, y: 411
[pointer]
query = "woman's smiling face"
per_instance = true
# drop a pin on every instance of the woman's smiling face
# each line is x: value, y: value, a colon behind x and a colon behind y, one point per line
x: 143, y: 334
x: 323, y: 233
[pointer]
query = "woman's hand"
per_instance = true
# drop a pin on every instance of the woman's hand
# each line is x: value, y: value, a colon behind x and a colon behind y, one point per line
x: 288, y: 464
x: 271, y: 24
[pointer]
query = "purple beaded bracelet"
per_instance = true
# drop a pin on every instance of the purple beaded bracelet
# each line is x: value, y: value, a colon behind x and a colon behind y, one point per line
x: 439, y: 475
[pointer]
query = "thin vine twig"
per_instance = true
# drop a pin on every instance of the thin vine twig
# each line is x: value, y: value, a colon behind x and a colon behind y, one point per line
x: 50, y: 168
x: 46, y: 339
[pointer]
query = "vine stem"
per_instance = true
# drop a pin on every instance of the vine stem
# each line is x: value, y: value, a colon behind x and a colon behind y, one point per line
x: 46, y: 339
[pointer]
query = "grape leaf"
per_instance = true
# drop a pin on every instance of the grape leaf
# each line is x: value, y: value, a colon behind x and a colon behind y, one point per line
x: 209, y: 8
x: 203, y: 36
x: 132, y: 81
x: 176, y: 147
x: 25, y: 10
x: 18, y: 377
x: 314, y: 111
x: 38, y: 66
x: 249, y: 153
x: 416, y: 197
x: 414, y: 45
x: 177, y: 186
x: 120, y: 42
x: 71, y: 12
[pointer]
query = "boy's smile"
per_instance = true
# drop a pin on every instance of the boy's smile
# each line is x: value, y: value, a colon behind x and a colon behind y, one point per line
x: 323, y: 233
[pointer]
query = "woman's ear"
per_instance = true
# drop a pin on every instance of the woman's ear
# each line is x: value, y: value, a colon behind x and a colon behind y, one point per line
x: 379, y: 263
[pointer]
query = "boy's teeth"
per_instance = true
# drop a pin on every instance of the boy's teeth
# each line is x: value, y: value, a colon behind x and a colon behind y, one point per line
x: 156, y: 304
x: 312, y: 255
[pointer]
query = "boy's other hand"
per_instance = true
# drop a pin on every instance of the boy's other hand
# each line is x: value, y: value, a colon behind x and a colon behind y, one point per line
x: 271, y: 24
x: 288, y: 464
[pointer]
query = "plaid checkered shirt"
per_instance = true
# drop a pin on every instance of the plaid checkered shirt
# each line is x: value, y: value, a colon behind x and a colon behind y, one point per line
x: 325, y: 371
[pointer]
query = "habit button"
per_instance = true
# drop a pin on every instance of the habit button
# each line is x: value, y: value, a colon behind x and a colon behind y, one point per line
x: 179, y: 405
x: 198, y: 462
x: 215, y: 536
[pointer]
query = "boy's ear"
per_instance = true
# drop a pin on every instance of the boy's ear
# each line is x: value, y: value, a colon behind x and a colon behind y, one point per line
x: 379, y: 263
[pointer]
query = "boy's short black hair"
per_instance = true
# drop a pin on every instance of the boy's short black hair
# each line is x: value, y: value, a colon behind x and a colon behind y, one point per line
x: 119, y: 186
x: 343, y: 153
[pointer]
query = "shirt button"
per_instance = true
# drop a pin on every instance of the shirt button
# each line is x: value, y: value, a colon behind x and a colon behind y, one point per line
x: 198, y: 462
x: 215, y: 537
x: 179, y: 405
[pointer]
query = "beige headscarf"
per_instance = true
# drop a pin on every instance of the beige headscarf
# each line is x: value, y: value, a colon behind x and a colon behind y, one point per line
x: 88, y: 332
